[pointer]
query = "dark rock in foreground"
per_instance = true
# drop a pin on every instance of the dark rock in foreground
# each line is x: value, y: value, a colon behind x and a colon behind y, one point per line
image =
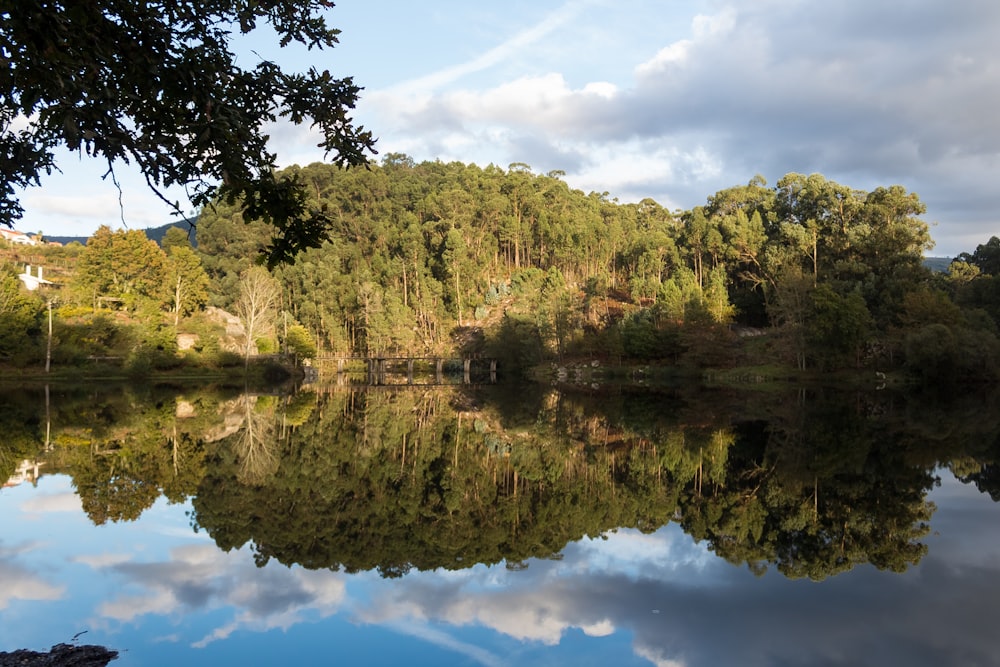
x: 61, y: 655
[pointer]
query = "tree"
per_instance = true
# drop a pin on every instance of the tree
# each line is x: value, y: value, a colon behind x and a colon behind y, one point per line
x: 256, y: 304
x: 19, y: 316
x: 986, y: 257
x: 455, y: 257
x: 157, y: 85
x: 789, y: 310
x: 300, y: 341
x: 187, y: 280
x: 122, y: 265
x: 837, y: 326
x: 175, y: 237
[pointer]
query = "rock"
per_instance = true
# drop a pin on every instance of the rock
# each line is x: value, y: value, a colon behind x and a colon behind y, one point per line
x: 61, y: 655
x: 186, y: 341
x: 185, y: 410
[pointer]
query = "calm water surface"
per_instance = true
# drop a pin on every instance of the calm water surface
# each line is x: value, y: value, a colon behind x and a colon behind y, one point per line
x: 452, y: 527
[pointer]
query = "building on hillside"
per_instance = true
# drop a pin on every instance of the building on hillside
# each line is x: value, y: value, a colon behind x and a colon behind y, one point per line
x: 32, y: 282
x: 15, y: 237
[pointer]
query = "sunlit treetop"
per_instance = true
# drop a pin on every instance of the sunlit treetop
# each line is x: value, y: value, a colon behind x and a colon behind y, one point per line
x: 156, y: 84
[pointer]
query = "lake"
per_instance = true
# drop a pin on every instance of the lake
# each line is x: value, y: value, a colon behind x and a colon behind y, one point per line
x: 501, y: 525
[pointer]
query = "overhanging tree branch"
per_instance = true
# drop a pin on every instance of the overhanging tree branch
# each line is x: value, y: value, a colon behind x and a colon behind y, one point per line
x: 156, y: 84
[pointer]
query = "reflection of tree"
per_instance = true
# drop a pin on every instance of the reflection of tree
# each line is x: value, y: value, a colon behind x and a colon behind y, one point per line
x: 400, y: 480
x: 986, y: 479
x: 821, y: 489
x: 254, y: 443
x: 23, y: 436
x: 122, y: 445
x: 110, y: 493
x: 396, y: 481
x: 393, y: 480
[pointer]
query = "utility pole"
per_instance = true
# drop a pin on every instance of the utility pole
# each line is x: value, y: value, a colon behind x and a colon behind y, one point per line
x: 48, y: 345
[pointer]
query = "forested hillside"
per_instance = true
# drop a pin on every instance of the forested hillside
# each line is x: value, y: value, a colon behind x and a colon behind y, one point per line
x: 833, y: 274
x: 436, y: 258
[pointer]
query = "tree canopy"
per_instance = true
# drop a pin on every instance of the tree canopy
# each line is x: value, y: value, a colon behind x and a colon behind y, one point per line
x: 157, y: 84
x: 449, y: 259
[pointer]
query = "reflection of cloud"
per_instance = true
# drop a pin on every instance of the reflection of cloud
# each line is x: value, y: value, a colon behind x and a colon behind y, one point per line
x: 99, y: 561
x: 20, y: 583
x: 634, y: 553
x: 444, y: 640
x: 544, y: 602
x: 199, y: 577
x: 53, y: 502
x: 656, y: 658
x: 528, y: 614
x: 179, y: 532
x: 677, y: 610
x: 128, y: 608
x: 960, y: 514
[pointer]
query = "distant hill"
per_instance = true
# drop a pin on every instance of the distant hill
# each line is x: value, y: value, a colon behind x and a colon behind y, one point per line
x: 937, y: 264
x: 152, y: 233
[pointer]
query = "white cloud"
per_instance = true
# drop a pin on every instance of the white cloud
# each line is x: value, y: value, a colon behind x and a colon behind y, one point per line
x: 521, y: 615
x: 200, y: 578
x: 447, y: 641
x: 128, y: 608
x: 862, y: 94
x: 102, y: 206
x: 704, y: 29
x: 655, y: 656
x: 52, y: 502
x: 699, y: 95
x: 98, y: 561
x: 603, y: 628
x: 603, y: 89
x: 503, y: 51
x: 18, y: 582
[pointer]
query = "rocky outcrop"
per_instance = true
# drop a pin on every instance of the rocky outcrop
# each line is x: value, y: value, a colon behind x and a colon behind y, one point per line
x: 61, y: 655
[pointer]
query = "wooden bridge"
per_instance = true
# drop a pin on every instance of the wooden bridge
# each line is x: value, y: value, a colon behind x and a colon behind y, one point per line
x: 384, y: 370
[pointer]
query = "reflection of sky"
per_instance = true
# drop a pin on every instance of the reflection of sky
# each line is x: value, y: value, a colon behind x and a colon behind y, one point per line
x: 162, y: 594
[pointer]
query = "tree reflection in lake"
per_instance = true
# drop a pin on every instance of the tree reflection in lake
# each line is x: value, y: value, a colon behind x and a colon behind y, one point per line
x: 812, y: 483
x: 431, y: 483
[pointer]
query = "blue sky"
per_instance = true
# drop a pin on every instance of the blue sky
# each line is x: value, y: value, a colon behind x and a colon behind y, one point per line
x: 669, y: 100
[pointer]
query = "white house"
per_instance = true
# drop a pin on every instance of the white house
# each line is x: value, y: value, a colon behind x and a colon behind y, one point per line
x: 30, y: 281
x: 17, y: 238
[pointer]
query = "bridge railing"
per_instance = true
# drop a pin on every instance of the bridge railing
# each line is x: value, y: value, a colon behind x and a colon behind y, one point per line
x: 381, y: 370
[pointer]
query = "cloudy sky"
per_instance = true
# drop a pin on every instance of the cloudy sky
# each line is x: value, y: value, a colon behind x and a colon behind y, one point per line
x: 669, y: 100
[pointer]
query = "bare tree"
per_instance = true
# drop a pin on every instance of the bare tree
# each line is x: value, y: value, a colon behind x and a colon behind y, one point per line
x: 257, y: 304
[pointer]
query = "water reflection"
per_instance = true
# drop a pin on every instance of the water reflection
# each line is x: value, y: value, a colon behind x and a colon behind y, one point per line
x: 584, y: 526
x: 21, y: 582
x: 394, y: 480
x: 199, y: 576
